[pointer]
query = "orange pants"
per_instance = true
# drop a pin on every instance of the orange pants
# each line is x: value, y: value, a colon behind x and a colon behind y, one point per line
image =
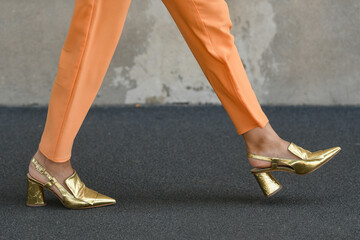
x: 94, y: 32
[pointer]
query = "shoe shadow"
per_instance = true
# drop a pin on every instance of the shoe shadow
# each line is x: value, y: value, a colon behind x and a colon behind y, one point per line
x: 184, y: 197
x: 221, y: 198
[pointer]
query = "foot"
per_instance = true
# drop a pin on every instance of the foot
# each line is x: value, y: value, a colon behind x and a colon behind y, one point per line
x: 277, y: 148
x: 265, y: 142
x: 60, y: 171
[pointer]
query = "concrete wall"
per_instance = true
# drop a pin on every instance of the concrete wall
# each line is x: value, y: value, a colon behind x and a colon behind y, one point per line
x: 294, y: 51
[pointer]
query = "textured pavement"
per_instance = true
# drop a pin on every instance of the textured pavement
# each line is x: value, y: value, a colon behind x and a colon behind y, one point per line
x: 180, y: 172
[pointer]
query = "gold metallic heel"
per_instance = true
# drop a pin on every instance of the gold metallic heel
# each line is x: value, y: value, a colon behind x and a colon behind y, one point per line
x: 267, y: 183
x: 35, y: 194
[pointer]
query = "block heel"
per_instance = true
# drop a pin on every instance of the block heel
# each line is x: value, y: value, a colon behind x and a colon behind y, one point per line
x: 35, y: 194
x: 267, y: 183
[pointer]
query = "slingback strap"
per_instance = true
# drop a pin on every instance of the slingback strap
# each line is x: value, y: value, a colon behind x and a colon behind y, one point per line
x: 274, y: 161
x: 41, y: 169
x: 259, y: 157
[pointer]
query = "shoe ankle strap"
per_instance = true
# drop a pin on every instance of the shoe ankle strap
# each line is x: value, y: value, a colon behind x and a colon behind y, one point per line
x: 274, y: 161
x: 259, y: 157
x: 42, y: 170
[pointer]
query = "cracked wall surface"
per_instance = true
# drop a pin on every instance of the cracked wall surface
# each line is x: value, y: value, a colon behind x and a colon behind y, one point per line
x: 294, y: 52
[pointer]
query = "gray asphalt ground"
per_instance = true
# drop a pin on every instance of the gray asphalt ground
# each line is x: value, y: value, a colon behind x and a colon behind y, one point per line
x: 180, y: 172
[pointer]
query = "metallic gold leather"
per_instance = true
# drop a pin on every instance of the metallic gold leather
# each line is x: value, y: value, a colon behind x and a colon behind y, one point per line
x: 35, y: 194
x: 80, y: 195
x: 268, y: 183
x: 309, y: 161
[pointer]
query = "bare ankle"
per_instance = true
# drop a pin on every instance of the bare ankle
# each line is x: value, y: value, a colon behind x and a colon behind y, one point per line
x: 265, y: 141
x: 258, y: 138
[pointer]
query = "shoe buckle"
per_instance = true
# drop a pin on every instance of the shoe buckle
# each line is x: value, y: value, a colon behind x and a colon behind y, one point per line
x: 274, y: 162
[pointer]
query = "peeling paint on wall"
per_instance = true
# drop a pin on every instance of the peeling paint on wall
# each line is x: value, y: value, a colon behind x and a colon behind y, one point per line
x: 293, y: 54
x: 175, y: 69
x: 164, y: 74
x: 254, y: 30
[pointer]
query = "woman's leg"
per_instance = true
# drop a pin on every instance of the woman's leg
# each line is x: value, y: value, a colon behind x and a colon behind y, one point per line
x: 93, y: 35
x: 205, y: 26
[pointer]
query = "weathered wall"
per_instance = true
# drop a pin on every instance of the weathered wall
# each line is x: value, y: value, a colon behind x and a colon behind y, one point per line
x: 295, y: 52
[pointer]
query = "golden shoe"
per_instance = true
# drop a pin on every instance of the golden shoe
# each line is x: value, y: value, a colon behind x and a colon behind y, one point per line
x: 308, y: 162
x: 80, y: 196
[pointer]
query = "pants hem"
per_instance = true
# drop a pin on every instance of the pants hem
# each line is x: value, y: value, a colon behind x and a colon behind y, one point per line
x: 52, y: 158
x: 250, y: 127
